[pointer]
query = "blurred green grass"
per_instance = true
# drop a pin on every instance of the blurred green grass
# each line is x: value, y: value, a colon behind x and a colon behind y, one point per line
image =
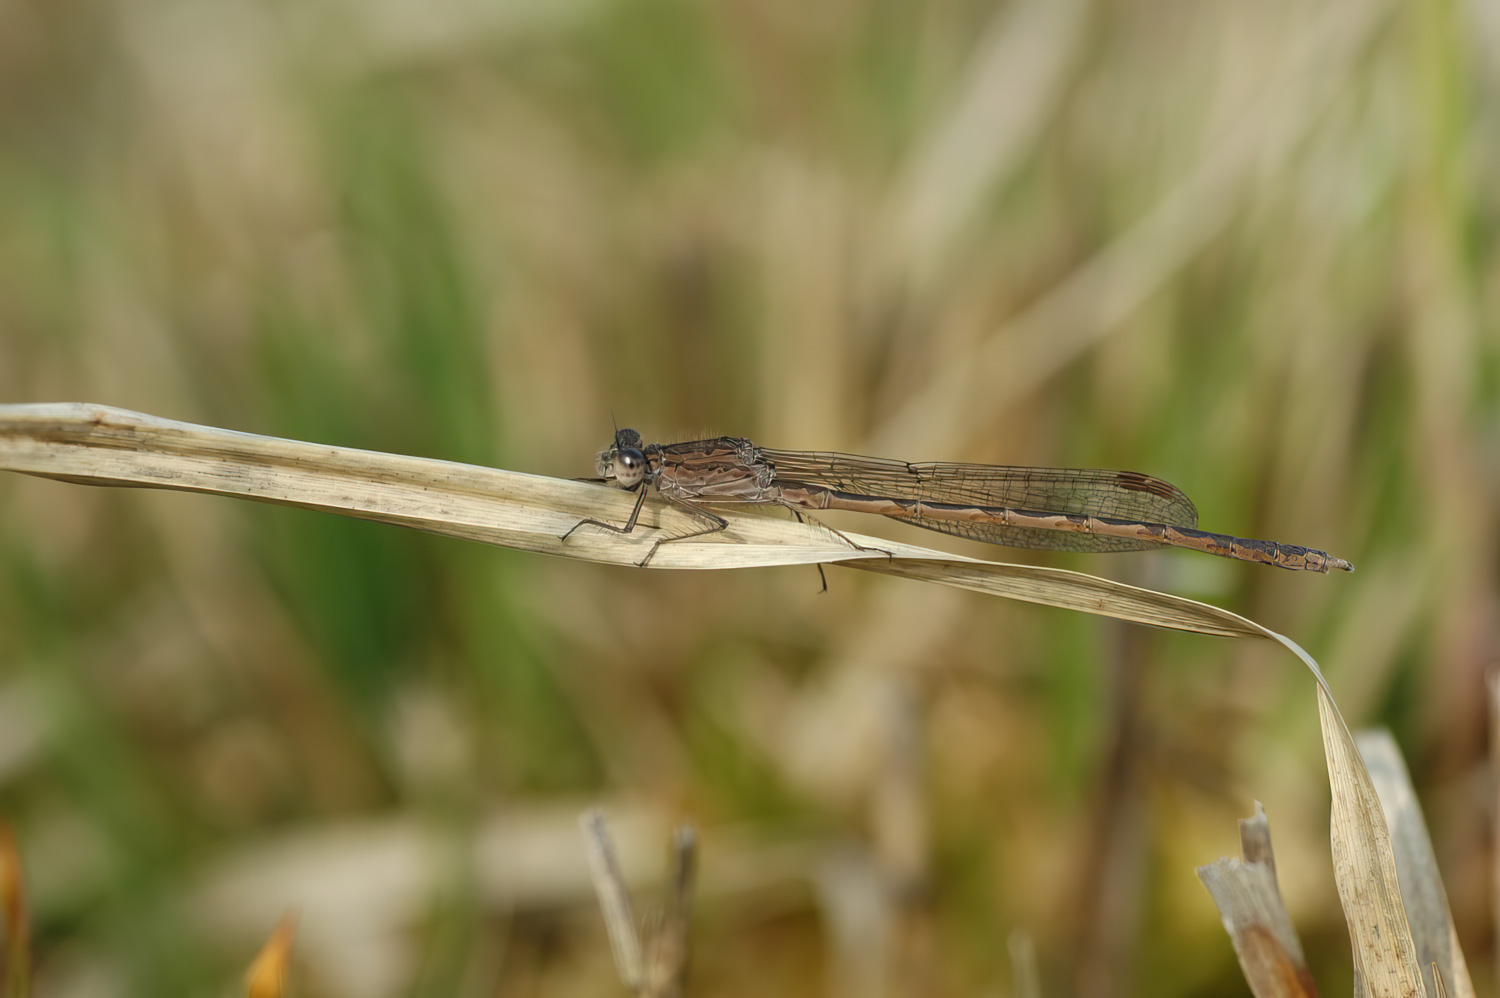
x: 940, y: 231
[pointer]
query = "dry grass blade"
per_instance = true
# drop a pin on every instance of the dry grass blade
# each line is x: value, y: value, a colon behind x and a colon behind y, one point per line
x: 100, y: 445
x: 1364, y: 865
x: 15, y: 925
x: 1069, y: 591
x: 1364, y: 868
x: 267, y: 975
x: 1250, y: 904
x: 1433, y: 931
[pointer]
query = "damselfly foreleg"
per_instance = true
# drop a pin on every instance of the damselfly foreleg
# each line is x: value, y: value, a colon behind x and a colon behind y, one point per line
x: 629, y: 527
x: 714, y: 524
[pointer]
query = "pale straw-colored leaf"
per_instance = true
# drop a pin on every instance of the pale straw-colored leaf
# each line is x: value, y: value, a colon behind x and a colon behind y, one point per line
x: 1364, y: 868
x: 100, y: 445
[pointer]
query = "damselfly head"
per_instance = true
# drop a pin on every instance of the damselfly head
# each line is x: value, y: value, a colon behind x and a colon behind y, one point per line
x: 625, y: 460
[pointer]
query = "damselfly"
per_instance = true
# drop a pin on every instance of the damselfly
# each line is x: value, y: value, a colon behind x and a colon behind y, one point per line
x: 1060, y: 509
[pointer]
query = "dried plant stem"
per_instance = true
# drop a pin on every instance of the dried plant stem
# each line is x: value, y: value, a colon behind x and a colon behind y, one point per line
x: 614, y: 901
x: 667, y: 962
x: 1250, y: 904
x: 657, y: 969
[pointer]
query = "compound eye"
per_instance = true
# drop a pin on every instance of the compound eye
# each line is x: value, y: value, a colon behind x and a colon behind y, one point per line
x: 630, y: 467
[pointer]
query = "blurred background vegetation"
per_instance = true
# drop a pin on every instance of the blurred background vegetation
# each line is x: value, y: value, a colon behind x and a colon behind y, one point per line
x: 1250, y: 248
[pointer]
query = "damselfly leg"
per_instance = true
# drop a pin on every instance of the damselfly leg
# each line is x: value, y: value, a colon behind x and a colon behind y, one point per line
x: 715, y: 524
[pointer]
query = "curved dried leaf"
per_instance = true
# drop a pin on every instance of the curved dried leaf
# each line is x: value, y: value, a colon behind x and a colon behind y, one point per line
x: 100, y: 445
x: 1364, y: 868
